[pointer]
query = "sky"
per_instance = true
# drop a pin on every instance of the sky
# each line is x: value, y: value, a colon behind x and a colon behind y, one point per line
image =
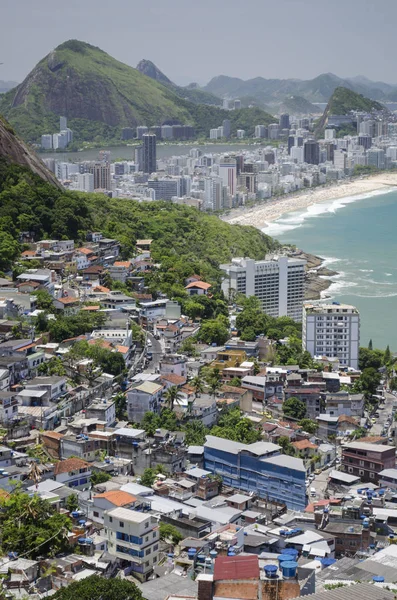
x: 197, y: 40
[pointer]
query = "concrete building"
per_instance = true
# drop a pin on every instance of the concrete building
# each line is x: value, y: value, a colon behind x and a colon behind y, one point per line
x: 143, y: 398
x: 101, y: 173
x: 46, y: 141
x: 278, y: 282
x: 311, y: 152
x: 140, y: 131
x: 258, y: 468
x: 133, y: 537
x: 149, y: 163
x: 260, y: 131
x: 165, y: 188
x: 332, y: 330
x: 228, y: 173
x: 367, y: 461
x: 284, y: 121
x: 85, y: 182
x: 227, y: 128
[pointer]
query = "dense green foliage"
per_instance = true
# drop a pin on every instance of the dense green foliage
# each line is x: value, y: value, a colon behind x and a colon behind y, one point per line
x: 294, y: 408
x: 169, y: 532
x: 99, y: 588
x: 31, y: 526
x: 344, y: 100
x: 100, y: 95
x: 252, y: 321
x: 298, y: 105
x: 148, y: 477
x: 232, y: 426
x: 100, y: 477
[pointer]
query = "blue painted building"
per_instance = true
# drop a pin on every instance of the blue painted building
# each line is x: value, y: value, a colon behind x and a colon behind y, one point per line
x: 258, y: 468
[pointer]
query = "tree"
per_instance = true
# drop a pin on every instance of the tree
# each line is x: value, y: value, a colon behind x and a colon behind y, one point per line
x: 72, y: 502
x: 213, y: 332
x: 195, y: 433
x: 197, y: 385
x: 100, y: 477
x: 120, y: 405
x: 188, y: 347
x: 231, y: 425
x: 9, y: 249
x: 96, y: 587
x: 368, y: 382
x: 52, y: 367
x: 235, y: 382
x: 387, y: 356
x: 295, y: 408
x: 150, y: 423
x: 370, y: 344
x: 168, y: 420
x: 286, y: 445
x: 44, y: 300
x: 171, y: 396
x: 370, y: 358
x: 308, y: 425
x: 148, y: 477
x: 31, y: 526
x: 169, y: 532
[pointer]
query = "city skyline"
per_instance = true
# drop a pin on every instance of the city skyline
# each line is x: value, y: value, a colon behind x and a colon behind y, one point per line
x: 199, y: 51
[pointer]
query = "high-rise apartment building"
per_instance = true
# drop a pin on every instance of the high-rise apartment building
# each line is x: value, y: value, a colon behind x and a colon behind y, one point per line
x: 278, y: 282
x: 332, y: 330
x: 260, y: 131
x: 46, y: 141
x: 140, y: 131
x: 228, y: 172
x: 101, y: 173
x: 166, y: 187
x: 85, y: 182
x: 63, y: 123
x: 134, y: 537
x: 227, y: 128
x: 311, y: 152
x: 273, y: 131
x: 284, y: 121
x: 376, y: 157
x: 149, y: 163
x: 329, y: 134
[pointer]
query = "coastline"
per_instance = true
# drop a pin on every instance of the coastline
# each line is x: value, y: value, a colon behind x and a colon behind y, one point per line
x: 262, y: 214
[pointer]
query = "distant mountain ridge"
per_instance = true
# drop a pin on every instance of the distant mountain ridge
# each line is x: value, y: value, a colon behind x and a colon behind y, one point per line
x: 100, y: 95
x: 7, y: 85
x: 318, y: 89
x: 342, y: 102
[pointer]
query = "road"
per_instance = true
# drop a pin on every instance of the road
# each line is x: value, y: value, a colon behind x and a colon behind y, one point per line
x: 384, y: 414
x: 319, y: 483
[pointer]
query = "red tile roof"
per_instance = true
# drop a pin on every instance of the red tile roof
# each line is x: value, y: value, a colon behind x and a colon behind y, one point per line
x: 174, y: 379
x: 236, y: 567
x: 85, y: 250
x: 70, y: 464
x: 122, y: 263
x: 198, y: 284
x: 303, y: 444
x: 52, y: 434
x: 91, y: 307
x: 101, y: 288
x: 68, y: 300
x: 117, y: 497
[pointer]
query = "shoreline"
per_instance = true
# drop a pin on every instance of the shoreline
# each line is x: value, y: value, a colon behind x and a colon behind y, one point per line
x: 261, y: 215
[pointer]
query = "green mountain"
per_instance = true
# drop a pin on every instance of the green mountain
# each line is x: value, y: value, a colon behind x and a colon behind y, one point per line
x: 297, y: 105
x: 7, y: 85
x: 186, y: 240
x: 100, y: 95
x: 192, y: 93
x: 342, y: 102
x: 273, y: 91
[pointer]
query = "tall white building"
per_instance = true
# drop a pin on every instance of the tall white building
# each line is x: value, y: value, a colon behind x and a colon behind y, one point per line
x: 63, y: 123
x: 46, y: 141
x: 133, y: 536
x: 332, y: 330
x: 85, y: 182
x: 213, y: 193
x: 278, y: 282
x: 260, y: 131
x: 228, y: 173
x: 329, y: 134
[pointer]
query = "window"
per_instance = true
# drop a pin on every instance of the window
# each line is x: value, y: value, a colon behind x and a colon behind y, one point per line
x: 96, y: 514
x: 121, y: 523
x: 154, y: 534
x: 148, y: 551
x: 147, y: 538
x: 111, y: 519
x: 146, y: 525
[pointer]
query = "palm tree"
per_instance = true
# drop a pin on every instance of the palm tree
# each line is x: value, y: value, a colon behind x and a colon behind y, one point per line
x: 214, y: 385
x: 172, y: 395
x: 197, y: 385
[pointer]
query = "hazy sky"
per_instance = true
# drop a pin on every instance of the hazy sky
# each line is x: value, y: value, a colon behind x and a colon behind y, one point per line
x: 196, y: 40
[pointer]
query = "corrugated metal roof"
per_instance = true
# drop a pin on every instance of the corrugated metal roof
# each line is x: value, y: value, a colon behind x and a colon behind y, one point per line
x: 236, y: 567
x: 353, y: 592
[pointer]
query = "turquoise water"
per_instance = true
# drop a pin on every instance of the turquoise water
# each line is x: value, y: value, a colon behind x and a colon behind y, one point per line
x: 358, y: 238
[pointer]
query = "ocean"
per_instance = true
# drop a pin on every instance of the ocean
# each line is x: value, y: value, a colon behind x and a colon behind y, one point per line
x: 357, y: 236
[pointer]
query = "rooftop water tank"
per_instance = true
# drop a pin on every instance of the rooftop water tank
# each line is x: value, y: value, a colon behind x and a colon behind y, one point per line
x: 327, y: 562
x: 378, y: 579
x: 75, y: 514
x: 231, y: 553
x: 270, y: 571
x: 289, y: 569
x: 366, y: 523
x: 282, y: 558
x: 213, y: 553
x: 291, y: 552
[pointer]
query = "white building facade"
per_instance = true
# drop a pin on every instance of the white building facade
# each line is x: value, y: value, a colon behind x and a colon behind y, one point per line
x: 278, y: 282
x: 332, y: 330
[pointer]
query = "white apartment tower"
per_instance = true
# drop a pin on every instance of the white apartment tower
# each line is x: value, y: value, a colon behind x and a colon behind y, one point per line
x: 278, y: 282
x: 133, y: 536
x: 228, y: 172
x: 332, y: 330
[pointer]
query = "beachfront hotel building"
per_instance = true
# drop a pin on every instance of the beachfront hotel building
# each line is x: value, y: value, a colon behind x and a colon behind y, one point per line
x: 332, y: 330
x: 278, y: 282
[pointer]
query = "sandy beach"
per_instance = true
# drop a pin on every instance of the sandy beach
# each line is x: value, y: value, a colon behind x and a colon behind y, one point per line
x: 262, y: 214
